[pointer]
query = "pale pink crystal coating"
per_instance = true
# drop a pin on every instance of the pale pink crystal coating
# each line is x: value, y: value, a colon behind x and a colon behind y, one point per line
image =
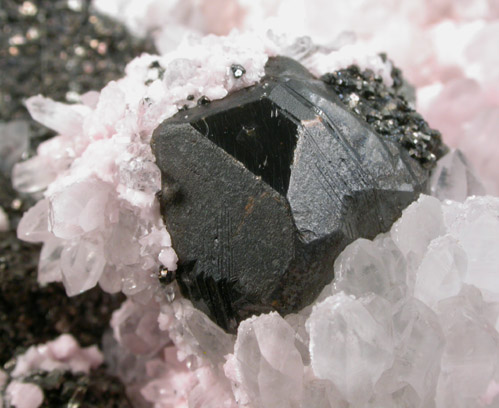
x: 179, y: 351
x: 64, y: 353
x: 24, y: 395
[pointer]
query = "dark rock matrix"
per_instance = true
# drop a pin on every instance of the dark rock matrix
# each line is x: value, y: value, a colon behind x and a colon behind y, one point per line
x: 60, y: 49
x: 65, y: 389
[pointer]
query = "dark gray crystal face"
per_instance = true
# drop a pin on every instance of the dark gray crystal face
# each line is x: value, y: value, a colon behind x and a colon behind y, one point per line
x: 262, y: 190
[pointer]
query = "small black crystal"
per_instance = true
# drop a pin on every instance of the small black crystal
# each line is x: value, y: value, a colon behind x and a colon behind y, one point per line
x: 237, y: 70
x: 262, y: 190
x: 165, y: 276
x: 204, y: 100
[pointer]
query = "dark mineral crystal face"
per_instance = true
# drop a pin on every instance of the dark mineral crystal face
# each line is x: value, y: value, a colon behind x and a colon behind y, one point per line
x: 262, y: 190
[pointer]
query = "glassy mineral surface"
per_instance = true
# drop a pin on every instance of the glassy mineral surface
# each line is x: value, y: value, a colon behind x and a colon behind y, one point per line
x: 262, y: 190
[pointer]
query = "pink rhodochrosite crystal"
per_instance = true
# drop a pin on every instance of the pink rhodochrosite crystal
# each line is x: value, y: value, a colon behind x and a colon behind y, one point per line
x: 21, y: 395
x: 63, y: 353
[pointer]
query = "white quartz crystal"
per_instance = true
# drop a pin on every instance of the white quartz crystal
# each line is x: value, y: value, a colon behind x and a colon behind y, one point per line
x: 351, y: 343
x: 266, y: 369
x: 454, y: 179
x: 378, y: 267
x: 441, y: 272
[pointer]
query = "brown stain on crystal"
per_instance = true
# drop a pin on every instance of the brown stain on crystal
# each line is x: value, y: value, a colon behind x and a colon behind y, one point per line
x: 248, y: 209
x: 317, y: 121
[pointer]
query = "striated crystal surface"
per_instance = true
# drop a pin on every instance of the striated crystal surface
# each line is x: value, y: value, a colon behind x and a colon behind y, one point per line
x: 262, y: 190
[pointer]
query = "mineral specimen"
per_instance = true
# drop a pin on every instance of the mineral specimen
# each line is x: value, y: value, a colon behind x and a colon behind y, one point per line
x: 414, y: 318
x: 262, y: 190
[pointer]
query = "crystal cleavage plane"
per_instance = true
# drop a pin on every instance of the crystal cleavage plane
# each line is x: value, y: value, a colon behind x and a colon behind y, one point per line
x: 263, y: 189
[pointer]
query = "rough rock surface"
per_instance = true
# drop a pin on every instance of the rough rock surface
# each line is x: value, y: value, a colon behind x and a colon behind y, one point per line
x: 262, y: 190
x: 57, y: 388
x: 61, y: 373
x: 61, y: 49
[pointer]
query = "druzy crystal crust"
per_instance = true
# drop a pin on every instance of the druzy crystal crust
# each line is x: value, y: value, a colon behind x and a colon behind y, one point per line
x: 262, y: 190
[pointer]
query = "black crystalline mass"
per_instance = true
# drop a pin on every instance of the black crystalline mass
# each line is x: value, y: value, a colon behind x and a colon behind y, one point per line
x: 386, y: 110
x: 262, y: 190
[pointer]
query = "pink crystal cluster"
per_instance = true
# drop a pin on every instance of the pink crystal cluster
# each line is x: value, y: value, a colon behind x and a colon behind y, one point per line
x: 64, y: 354
x: 99, y: 219
x: 179, y: 351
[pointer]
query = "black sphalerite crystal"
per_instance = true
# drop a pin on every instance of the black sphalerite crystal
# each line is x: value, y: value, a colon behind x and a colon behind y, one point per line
x: 262, y: 190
